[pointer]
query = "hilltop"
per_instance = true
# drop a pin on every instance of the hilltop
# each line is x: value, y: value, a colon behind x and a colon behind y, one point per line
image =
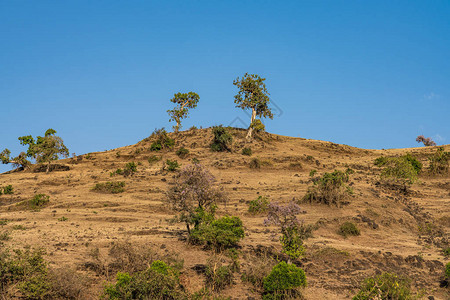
x: 403, y: 233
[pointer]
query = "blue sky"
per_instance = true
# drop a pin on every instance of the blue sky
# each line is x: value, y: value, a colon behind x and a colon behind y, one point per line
x: 371, y: 74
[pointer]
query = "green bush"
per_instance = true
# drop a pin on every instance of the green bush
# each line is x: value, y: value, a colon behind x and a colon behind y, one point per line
x: 348, y: 228
x: 439, y: 162
x: 329, y: 189
x: 218, y: 276
x: 162, y: 140
x: 258, y: 126
x: 417, y: 165
x: 152, y: 159
x: 182, y: 152
x: 110, y: 187
x: 380, y: 161
x: 157, y: 282
x: 8, y: 190
x: 247, y: 151
x: 399, y: 170
x: 222, y: 139
x: 130, y: 169
x: 447, y: 270
x: 255, y: 163
x: 172, y: 165
x: 259, y: 205
x: 222, y: 233
x: 283, y: 279
x: 39, y: 200
x: 385, y: 286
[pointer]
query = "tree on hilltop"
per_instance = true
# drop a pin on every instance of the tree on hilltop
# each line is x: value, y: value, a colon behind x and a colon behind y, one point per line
x: 253, y: 95
x: 184, y: 102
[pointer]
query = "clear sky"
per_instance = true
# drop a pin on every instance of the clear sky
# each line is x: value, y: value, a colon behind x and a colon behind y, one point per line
x: 371, y: 74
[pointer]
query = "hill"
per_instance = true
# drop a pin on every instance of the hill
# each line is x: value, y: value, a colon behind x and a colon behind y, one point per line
x: 97, y: 234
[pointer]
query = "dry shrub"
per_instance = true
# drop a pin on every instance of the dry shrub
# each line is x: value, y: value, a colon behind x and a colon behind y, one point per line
x: 257, y: 268
x: 67, y: 283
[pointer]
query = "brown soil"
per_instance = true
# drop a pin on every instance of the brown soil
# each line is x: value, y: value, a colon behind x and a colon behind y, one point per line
x: 393, y: 238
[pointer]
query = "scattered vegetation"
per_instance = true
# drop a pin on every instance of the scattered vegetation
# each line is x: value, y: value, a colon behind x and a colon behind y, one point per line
x: 439, y: 162
x: 7, y: 190
x: 110, y: 187
x: 255, y: 163
x: 283, y: 282
x: 130, y: 169
x: 259, y: 205
x: 182, y: 152
x: 162, y: 141
x: 385, y: 286
x: 247, y: 151
x: 348, y: 228
x: 222, y: 139
x: 152, y: 159
x: 329, y: 189
x: 426, y: 141
x: 39, y: 200
x: 398, y: 171
x: 218, y: 275
x: 183, y: 102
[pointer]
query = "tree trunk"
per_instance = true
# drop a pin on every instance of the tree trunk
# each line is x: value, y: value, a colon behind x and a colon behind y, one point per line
x: 48, y: 168
x: 250, y: 129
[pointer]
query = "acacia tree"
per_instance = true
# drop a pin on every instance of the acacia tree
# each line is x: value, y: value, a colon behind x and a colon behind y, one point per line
x: 45, y: 149
x: 193, y: 193
x: 426, y: 141
x: 253, y: 95
x: 184, y: 102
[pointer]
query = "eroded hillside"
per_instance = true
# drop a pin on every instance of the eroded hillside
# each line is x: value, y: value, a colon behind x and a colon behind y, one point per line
x: 78, y: 227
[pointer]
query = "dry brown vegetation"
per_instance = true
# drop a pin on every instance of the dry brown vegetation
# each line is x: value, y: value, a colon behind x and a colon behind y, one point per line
x: 103, y: 233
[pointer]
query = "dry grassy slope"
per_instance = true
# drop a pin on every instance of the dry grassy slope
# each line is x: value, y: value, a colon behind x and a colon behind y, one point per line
x: 140, y: 213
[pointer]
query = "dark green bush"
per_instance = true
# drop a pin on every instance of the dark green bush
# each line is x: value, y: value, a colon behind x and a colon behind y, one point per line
x: 218, y: 276
x: 399, y: 171
x: 380, y: 161
x: 255, y: 163
x: 8, y: 190
x: 182, y: 152
x: 39, y: 200
x: 172, y: 165
x: 329, y: 189
x: 162, y: 140
x: 222, y: 139
x: 130, y: 169
x: 447, y: 270
x: 222, y: 233
x: 158, y: 282
x: 258, y: 126
x: 259, y: 205
x: 348, y: 228
x: 247, y: 151
x: 110, y: 187
x: 417, y: 165
x: 439, y: 162
x: 385, y: 286
x: 283, y: 279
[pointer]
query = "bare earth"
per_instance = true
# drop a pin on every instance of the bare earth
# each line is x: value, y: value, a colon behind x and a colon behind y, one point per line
x: 392, y: 236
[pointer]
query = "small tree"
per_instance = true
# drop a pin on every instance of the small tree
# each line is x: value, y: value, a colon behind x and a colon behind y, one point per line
x: 426, y: 141
x: 253, y: 95
x: 45, y: 149
x: 183, y: 101
x: 194, y: 195
x: 18, y: 161
x: 285, y: 217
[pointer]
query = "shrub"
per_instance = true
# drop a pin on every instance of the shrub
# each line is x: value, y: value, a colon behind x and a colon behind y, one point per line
x: 385, y: 286
x: 257, y: 268
x: 152, y: 159
x: 283, y: 280
x: 39, y: 200
x: 193, y: 193
x: 157, y: 282
x: 312, y: 172
x: 426, y: 141
x: 222, y: 233
x: 162, y: 140
x: 222, y: 139
x: 399, y: 171
x: 247, y: 151
x: 259, y: 205
x: 447, y: 270
x: 439, y: 162
x: 329, y: 189
x: 218, y: 276
x: 255, y: 163
x: 380, y: 161
x: 258, y: 126
x: 285, y: 217
x: 296, y: 165
x: 182, y: 152
x: 348, y: 228
x: 110, y: 187
x: 417, y: 165
x: 130, y: 169
x: 172, y: 165
x: 8, y: 190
